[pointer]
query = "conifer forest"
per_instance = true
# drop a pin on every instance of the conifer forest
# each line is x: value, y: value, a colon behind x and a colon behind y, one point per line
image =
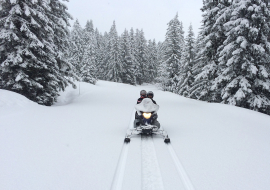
x: 227, y: 62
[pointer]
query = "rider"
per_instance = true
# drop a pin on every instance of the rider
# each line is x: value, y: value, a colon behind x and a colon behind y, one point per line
x: 143, y: 95
x: 138, y: 117
x: 150, y: 95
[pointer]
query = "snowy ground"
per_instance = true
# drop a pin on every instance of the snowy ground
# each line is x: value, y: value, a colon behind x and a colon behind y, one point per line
x: 78, y: 143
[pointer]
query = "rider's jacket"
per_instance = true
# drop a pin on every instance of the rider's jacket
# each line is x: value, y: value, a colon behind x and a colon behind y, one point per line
x: 140, y: 100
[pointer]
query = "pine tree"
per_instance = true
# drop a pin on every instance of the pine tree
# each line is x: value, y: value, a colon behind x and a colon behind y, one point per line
x: 152, y: 61
x: 126, y: 59
x: 244, y: 57
x: 199, y: 88
x: 133, y: 53
x: 186, y: 74
x: 213, y: 36
x: 140, y: 56
x: 88, y: 69
x: 100, y: 55
x: 162, y: 75
x: 172, y: 54
x: 76, y: 49
x: 31, y: 54
x: 114, y: 63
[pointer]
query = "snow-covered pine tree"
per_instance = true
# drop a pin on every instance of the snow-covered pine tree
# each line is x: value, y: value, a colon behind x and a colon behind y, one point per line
x: 152, y: 61
x: 114, y: 64
x: 76, y: 50
x: 140, y: 56
x: 244, y: 57
x: 100, y: 55
x: 162, y: 75
x: 127, y: 74
x: 88, y: 69
x: 197, y: 91
x: 172, y: 54
x: 187, y: 63
x: 30, y: 51
x: 106, y: 54
x: 133, y: 52
x: 59, y: 16
x: 213, y: 36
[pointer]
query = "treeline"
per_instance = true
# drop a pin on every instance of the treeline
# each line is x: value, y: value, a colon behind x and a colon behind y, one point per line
x: 230, y: 60
x: 227, y: 63
x: 126, y: 58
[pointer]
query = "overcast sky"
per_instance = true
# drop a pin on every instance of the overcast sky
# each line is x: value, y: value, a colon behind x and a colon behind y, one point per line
x: 150, y: 15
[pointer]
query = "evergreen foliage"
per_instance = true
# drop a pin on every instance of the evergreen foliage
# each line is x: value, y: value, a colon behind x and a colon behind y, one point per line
x: 152, y: 61
x: 244, y: 57
x: 114, y: 64
x: 88, y: 68
x: 187, y: 63
x: 76, y: 50
x: 172, y: 55
x: 32, y: 38
x: 126, y: 60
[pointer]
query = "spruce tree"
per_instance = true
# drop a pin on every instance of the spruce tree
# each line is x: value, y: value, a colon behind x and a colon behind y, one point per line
x: 199, y: 88
x: 114, y: 64
x: 152, y: 61
x: 31, y: 53
x: 140, y: 56
x: 88, y: 65
x: 76, y: 49
x: 172, y: 54
x: 100, y: 55
x: 162, y: 75
x: 187, y: 63
x: 133, y: 53
x: 127, y: 75
x: 244, y: 57
x: 213, y: 36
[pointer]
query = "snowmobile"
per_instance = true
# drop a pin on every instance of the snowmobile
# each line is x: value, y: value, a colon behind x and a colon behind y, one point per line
x: 147, y: 125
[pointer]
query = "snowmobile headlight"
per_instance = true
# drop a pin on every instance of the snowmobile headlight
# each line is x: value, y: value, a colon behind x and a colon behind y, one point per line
x: 147, y: 115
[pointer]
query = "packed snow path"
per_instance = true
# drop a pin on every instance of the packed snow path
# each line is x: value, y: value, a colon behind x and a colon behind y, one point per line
x: 77, y: 143
x: 151, y: 178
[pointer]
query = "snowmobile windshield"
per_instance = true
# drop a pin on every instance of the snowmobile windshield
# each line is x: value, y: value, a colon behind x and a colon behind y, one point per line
x: 147, y: 105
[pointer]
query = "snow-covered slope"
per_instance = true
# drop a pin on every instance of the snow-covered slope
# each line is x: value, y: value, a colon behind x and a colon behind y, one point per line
x: 78, y: 143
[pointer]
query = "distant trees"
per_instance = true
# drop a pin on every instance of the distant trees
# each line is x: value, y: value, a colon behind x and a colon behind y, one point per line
x: 127, y: 58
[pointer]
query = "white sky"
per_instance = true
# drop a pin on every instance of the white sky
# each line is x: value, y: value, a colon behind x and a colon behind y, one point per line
x: 150, y: 15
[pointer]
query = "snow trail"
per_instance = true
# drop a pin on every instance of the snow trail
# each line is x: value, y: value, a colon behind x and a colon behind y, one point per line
x: 120, y: 169
x: 151, y: 175
x: 185, y: 179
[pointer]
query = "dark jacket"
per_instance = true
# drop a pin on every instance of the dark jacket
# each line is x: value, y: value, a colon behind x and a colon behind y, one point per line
x: 153, y: 101
x: 140, y: 100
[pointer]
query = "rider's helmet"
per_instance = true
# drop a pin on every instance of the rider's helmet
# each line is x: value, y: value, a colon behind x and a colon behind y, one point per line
x: 143, y: 93
x: 150, y: 94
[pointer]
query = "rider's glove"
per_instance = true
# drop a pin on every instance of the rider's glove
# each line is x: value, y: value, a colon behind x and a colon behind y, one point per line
x: 155, y: 117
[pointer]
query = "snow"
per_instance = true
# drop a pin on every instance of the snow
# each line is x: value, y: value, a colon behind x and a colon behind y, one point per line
x: 78, y: 143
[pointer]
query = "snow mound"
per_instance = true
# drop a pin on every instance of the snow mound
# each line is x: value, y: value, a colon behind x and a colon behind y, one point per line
x: 9, y: 98
x: 147, y: 106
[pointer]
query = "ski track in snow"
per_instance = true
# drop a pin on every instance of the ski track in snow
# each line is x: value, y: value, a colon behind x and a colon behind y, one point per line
x: 185, y: 179
x: 151, y: 175
x: 120, y: 169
